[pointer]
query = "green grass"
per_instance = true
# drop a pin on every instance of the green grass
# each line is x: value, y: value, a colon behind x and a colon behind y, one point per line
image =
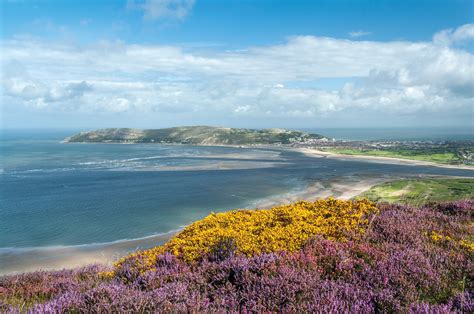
x: 420, y: 191
x: 438, y: 157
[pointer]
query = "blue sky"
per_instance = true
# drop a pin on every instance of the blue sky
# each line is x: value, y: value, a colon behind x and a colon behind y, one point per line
x: 265, y: 63
x: 235, y: 23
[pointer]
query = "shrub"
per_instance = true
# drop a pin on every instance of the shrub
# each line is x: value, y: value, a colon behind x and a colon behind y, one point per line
x: 249, y: 232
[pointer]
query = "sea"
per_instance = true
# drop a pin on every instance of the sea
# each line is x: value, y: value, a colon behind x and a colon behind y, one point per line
x: 57, y: 197
x: 398, y: 134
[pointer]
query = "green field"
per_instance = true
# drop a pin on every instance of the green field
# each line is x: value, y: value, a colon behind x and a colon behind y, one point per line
x: 420, y: 191
x: 446, y: 157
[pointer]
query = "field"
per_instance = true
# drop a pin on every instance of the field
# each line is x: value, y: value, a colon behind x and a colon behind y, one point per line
x: 420, y: 191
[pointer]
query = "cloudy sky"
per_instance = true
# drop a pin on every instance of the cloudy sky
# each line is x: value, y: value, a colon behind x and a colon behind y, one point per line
x: 246, y: 63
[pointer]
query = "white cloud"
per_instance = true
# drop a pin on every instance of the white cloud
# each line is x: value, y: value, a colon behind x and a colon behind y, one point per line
x: 451, y: 36
x: 388, y: 77
x: 159, y: 9
x: 18, y: 83
x: 359, y: 33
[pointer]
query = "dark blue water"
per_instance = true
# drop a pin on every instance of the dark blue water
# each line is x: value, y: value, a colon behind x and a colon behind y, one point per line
x: 55, y: 194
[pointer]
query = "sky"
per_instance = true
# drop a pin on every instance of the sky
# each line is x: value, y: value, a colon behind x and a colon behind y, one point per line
x: 248, y: 63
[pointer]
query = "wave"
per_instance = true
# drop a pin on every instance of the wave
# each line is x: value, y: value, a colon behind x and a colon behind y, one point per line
x: 99, y: 165
x: 190, y: 155
x: 184, y: 160
x: 113, y: 161
x: 41, y: 170
x: 6, y: 250
x: 127, y: 165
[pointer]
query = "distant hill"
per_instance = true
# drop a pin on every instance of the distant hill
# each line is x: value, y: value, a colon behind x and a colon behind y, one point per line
x: 205, y: 135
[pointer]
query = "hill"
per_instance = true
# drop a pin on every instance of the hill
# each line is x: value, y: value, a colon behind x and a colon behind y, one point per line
x: 199, y: 135
x: 325, y: 256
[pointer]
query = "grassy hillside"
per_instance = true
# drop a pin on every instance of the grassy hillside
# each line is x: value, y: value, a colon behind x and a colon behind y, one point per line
x: 194, y: 135
x: 323, y: 256
x: 419, y: 191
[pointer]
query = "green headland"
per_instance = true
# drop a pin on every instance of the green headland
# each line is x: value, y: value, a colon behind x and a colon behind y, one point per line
x: 199, y: 135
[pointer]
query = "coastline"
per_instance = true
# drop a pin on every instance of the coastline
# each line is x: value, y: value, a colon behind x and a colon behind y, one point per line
x: 344, y: 188
x: 22, y: 260
x: 61, y: 257
x: 312, y: 152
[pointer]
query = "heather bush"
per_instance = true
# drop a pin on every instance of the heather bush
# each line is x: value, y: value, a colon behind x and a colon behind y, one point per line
x: 24, y: 290
x: 406, y: 259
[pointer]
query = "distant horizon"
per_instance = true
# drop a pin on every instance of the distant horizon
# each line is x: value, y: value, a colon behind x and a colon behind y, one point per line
x: 248, y: 127
x: 365, y: 134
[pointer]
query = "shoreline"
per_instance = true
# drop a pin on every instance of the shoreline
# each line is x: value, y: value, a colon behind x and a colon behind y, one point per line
x: 345, y: 188
x: 66, y: 257
x: 313, y: 152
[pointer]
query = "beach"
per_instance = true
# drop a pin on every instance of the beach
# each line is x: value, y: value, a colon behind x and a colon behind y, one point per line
x: 55, y: 258
x: 341, y: 188
x: 388, y: 160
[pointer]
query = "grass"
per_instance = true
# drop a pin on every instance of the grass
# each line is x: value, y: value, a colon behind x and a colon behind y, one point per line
x: 438, y: 157
x: 420, y: 191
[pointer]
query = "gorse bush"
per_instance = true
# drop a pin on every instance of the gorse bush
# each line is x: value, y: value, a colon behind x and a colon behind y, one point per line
x: 249, y: 232
x: 395, y: 259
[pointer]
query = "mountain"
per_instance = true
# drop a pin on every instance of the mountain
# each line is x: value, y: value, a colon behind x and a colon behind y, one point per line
x: 204, y: 135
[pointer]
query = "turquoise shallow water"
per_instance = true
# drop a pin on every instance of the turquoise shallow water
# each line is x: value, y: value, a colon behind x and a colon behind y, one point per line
x: 54, y: 194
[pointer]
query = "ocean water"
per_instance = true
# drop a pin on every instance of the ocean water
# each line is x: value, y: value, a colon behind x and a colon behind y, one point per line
x: 398, y: 134
x: 69, y: 195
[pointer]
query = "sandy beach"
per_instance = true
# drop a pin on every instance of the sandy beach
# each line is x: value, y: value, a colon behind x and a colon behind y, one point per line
x: 341, y: 188
x: 388, y: 160
x: 54, y: 258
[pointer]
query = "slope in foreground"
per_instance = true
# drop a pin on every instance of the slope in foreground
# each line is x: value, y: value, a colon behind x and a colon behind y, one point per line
x: 326, y: 256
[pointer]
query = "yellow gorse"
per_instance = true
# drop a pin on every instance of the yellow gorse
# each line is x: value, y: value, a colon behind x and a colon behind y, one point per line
x: 282, y: 228
x: 463, y: 243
